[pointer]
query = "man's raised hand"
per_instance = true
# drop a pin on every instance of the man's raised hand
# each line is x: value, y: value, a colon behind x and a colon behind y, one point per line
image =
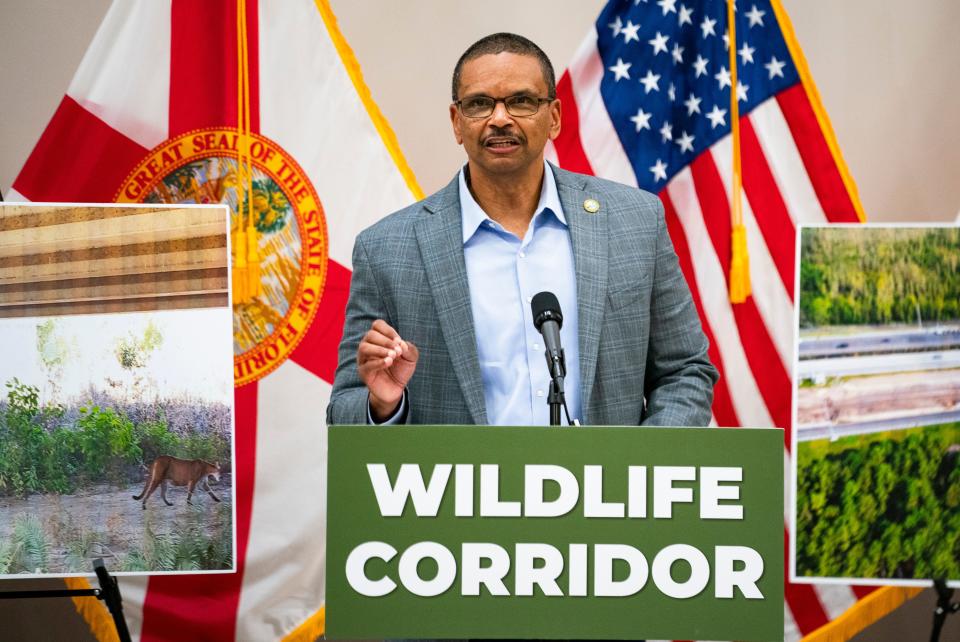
x: 385, y: 363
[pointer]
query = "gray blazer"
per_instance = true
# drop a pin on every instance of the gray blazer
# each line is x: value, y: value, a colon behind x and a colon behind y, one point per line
x: 643, y: 354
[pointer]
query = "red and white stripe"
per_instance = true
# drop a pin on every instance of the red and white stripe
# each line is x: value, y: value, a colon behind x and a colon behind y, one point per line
x: 789, y: 177
x: 156, y: 70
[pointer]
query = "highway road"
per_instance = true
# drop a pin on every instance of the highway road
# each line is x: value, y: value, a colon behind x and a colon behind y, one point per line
x: 934, y: 339
x: 877, y: 364
x: 834, y: 431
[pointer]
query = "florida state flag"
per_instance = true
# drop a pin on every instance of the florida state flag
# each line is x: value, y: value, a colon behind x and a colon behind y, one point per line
x: 261, y: 105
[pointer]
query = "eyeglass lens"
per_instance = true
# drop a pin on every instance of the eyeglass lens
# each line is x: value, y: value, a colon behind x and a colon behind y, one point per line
x: 480, y: 106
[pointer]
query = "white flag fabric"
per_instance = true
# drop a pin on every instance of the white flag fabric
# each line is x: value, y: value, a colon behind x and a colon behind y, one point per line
x: 152, y: 116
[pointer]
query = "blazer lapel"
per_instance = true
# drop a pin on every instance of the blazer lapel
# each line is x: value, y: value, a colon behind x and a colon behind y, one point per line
x: 588, y: 234
x: 440, y: 237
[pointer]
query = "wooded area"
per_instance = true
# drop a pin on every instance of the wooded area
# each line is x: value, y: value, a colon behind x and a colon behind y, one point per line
x: 62, y: 448
x: 885, y: 505
x: 57, y: 460
x: 852, y: 276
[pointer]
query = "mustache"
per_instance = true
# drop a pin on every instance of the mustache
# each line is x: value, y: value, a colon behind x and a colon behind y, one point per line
x: 503, y: 134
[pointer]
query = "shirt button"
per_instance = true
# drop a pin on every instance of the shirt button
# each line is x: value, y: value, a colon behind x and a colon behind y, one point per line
x: 523, y: 255
x: 529, y: 299
x: 539, y: 393
x: 536, y: 346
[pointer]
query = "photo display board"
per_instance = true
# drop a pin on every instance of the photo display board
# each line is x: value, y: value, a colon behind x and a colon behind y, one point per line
x: 876, y: 471
x: 117, y: 407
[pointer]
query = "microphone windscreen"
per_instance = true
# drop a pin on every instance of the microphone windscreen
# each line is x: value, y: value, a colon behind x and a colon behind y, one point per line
x: 545, y: 307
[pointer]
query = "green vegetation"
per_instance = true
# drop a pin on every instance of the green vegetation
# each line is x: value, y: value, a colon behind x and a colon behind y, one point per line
x: 879, y: 276
x: 200, y: 541
x: 7, y: 551
x: 884, y: 505
x: 133, y: 352
x: 82, y: 549
x: 54, y: 351
x: 27, y: 550
x: 56, y: 449
x: 29, y: 453
x: 189, y: 548
x: 156, y: 438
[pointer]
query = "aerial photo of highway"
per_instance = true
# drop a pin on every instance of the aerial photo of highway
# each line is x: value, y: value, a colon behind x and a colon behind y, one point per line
x: 877, y: 404
x: 875, y: 380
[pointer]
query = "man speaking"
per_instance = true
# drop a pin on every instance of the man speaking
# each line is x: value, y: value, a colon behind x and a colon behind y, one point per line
x: 439, y: 327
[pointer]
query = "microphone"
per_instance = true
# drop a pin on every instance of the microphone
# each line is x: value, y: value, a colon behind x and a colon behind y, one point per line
x: 548, y: 319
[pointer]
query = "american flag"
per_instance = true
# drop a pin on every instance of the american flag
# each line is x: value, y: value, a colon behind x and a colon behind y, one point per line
x: 647, y: 102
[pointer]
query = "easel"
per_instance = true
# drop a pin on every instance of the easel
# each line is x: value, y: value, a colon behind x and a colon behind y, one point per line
x: 109, y: 592
x: 944, y: 608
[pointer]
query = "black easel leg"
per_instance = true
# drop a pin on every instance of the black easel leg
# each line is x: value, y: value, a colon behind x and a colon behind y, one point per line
x: 944, y: 608
x: 111, y: 595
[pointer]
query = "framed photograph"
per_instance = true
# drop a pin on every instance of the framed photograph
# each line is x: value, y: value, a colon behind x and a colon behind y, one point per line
x: 116, y: 389
x: 876, y: 466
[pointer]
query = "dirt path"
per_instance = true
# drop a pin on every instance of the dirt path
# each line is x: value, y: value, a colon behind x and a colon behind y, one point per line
x: 880, y: 396
x: 111, y: 521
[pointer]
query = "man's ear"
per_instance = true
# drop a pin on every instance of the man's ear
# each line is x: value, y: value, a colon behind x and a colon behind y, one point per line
x: 555, y: 112
x: 457, y: 123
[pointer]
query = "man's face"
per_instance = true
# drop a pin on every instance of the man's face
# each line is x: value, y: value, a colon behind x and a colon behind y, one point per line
x: 501, y: 143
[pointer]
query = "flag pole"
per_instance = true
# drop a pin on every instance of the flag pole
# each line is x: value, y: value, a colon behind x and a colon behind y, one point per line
x: 739, y: 259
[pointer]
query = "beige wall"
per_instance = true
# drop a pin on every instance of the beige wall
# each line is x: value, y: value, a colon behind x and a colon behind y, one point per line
x: 408, y: 66
x: 885, y: 73
x: 884, y: 69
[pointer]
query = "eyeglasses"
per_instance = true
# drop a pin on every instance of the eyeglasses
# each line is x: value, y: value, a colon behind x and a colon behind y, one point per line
x: 518, y: 105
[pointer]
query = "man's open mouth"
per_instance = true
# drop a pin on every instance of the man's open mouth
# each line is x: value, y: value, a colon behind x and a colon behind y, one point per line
x: 501, y: 143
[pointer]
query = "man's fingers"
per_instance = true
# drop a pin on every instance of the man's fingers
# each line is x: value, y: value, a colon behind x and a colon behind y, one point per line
x: 382, y: 334
x: 385, y: 329
x: 379, y: 339
x: 368, y: 366
x: 410, y: 351
x: 381, y: 348
x: 368, y: 351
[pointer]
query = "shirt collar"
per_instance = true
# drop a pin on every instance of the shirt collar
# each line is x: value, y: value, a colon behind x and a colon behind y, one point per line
x: 473, y: 216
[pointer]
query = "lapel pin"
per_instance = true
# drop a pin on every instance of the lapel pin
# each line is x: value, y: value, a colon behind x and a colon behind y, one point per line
x: 591, y: 205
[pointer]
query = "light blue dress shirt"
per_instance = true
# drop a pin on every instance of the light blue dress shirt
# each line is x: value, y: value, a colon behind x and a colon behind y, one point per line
x: 504, y: 273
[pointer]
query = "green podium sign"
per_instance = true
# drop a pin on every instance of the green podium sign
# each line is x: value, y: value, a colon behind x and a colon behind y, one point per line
x: 591, y: 533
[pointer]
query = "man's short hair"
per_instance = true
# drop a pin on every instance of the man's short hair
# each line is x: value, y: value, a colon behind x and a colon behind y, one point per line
x: 510, y: 43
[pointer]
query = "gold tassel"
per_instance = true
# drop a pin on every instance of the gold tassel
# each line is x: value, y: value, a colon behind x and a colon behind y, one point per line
x: 238, y: 274
x: 739, y: 266
x: 251, y: 285
x: 740, y: 287
x: 254, y: 287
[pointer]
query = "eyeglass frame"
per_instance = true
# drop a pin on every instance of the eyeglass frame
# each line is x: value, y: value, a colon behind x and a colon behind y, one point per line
x: 540, y: 101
